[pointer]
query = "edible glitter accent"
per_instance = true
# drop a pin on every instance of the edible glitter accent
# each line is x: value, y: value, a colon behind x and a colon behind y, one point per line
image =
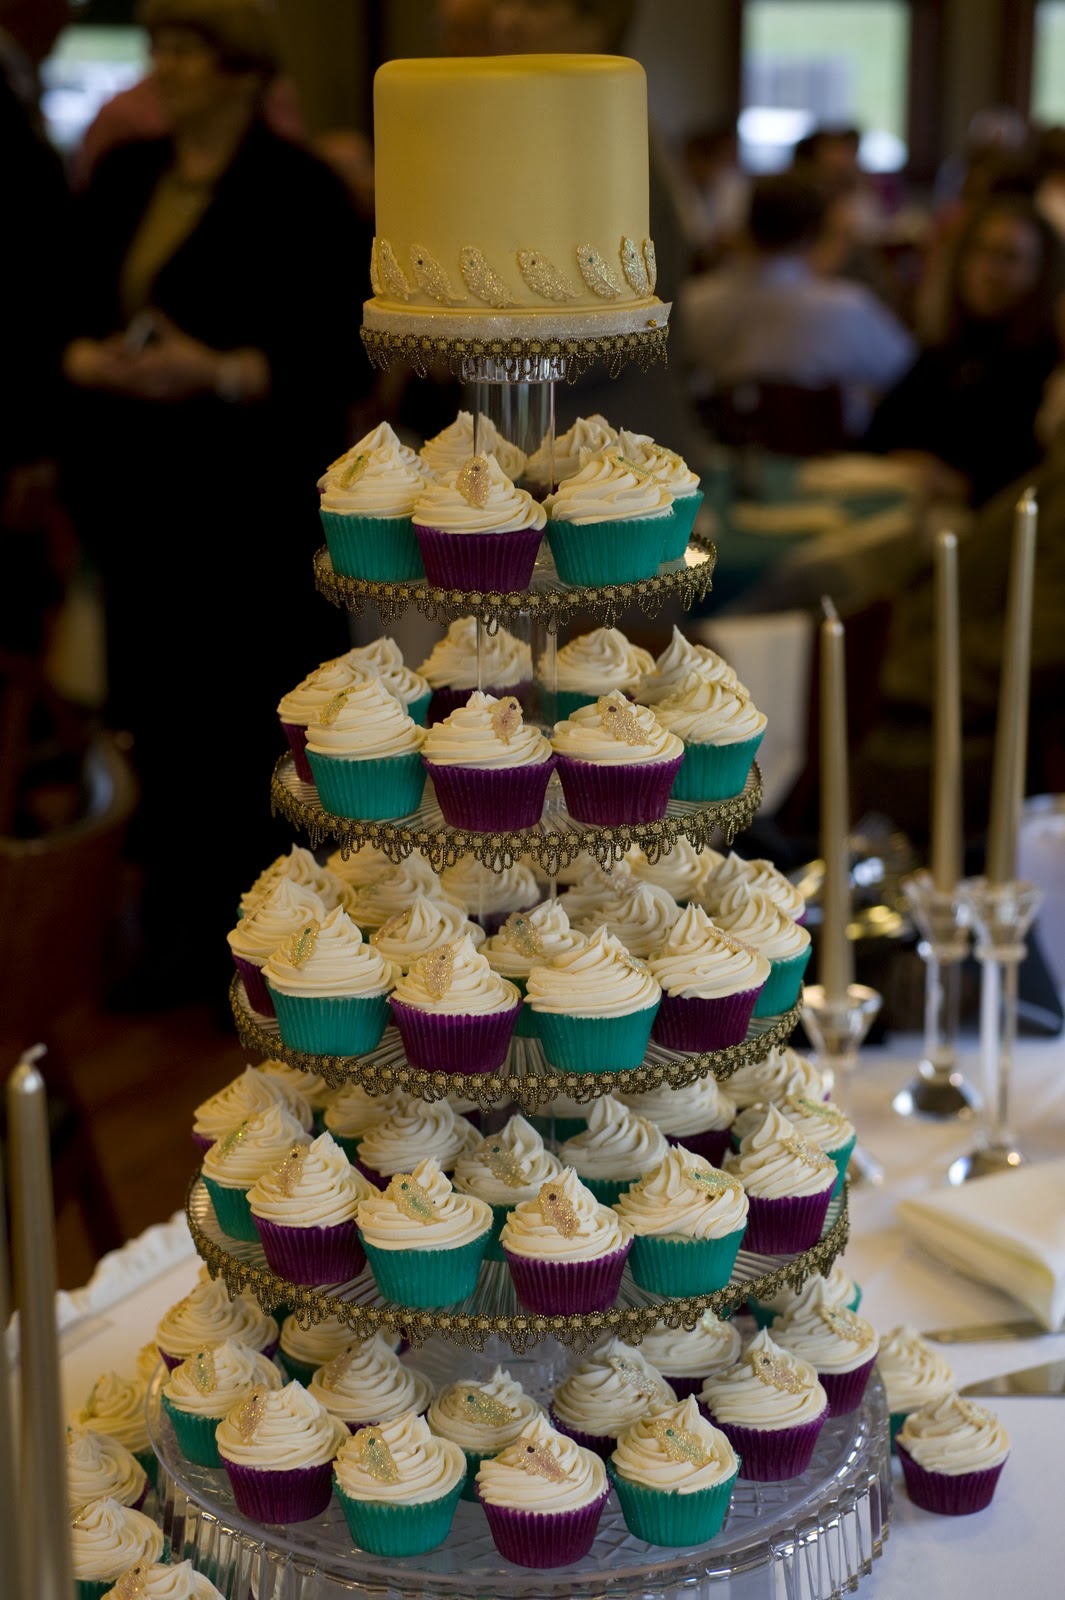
x: 484, y: 1407
x: 976, y: 1416
x: 619, y: 718
x: 354, y: 469
x: 391, y: 273
x: 410, y: 1197
x: 818, y: 1108
x: 502, y: 1165
x: 287, y: 1175
x: 843, y: 1322
x: 479, y: 278
x: 375, y: 1458
x: 332, y: 708
x: 249, y: 1414
x: 678, y: 1444
x: 538, y: 1461
x: 521, y: 935
x: 506, y: 718
x: 718, y: 1182
x: 391, y: 926
x: 774, y: 1373
x: 557, y: 1210
x: 131, y: 1584
x: 226, y: 1146
x: 375, y: 271
x: 430, y: 276
x: 804, y: 1151
x: 596, y: 273
x: 633, y: 266
x: 334, y: 1372
x: 651, y: 261
x: 438, y: 970
x: 634, y: 1377
x: 302, y: 947
x: 204, y: 1375
x: 473, y: 482
x: 629, y: 465
x: 544, y: 278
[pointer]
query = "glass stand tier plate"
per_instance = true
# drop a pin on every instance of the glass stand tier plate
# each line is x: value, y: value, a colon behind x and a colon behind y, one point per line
x: 806, y: 1538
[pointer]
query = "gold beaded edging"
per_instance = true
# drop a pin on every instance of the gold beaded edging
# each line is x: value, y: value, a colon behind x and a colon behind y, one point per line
x: 553, y: 606
x: 520, y: 1330
x: 516, y: 359
x: 552, y: 848
x: 378, y: 1071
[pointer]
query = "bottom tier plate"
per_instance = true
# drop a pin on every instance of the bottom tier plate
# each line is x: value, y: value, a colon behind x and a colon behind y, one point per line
x: 809, y: 1538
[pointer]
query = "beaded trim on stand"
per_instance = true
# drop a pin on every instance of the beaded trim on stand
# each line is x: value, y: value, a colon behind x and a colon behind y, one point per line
x: 516, y: 358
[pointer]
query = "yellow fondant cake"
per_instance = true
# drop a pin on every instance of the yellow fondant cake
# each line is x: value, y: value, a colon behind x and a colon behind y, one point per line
x: 512, y: 185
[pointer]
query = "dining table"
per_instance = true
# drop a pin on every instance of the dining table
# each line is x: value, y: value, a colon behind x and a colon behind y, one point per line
x: 1010, y: 1548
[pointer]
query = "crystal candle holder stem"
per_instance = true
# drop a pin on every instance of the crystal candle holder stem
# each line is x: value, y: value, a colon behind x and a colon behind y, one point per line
x: 939, y: 1090
x: 1001, y: 914
x: 837, y: 1026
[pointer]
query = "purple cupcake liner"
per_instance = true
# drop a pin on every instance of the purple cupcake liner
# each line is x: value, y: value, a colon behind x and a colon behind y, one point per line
x: 255, y: 986
x: 794, y: 1222
x: 490, y: 799
x: 495, y: 561
x: 687, y: 1022
x: 296, y: 734
x: 845, y: 1389
x: 600, y: 1444
x: 684, y: 1388
x: 539, y: 1539
x: 711, y: 1144
x: 610, y: 796
x: 201, y: 1141
x: 312, y: 1256
x: 436, y: 1043
x: 447, y: 700
x: 561, y: 1288
x: 767, y: 1454
x: 295, y: 1494
x: 950, y: 1494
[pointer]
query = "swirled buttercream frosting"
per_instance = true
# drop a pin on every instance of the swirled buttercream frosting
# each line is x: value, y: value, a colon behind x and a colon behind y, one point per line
x: 384, y: 657
x: 710, y: 1346
x: 307, y: 1086
x: 684, y: 1197
x: 314, y: 1186
x: 615, y: 732
x: 675, y: 1450
x: 317, y: 1344
x: 303, y: 703
x: 389, y: 892
x: 107, y: 1538
x: 639, y: 914
x: 214, y: 1379
x: 486, y: 732
x: 384, y: 436
x: 682, y: 870
x: 953, y: 1436
x: 542, y: 1472
x: 353, y: 1110
x: 915, y: 1374
x: 600, y: 979
x: 774, y: 1161
x: 483, y: 1416
x: 245, y: 1152
x: 456, y: 980
x: 416, y: 1128
x: 245, y: 1097
x: 158, y: 1582
x: 681, y: 657
x: 366, y: 1382
x: 531, y: 937
x: 839, y: 1290
x: 565, y: 1222
x: 783, y: 1072
x: 700, y: 961
x: 767, y: 1388
x: 666, y: 465
x: 426, y: 924
x: 301, y: 867
x: 754, y: 918
x: 453, y: 661
x: 378, y: 482
x: 279, y: 1430
x: 364, y: 723
x: 610, y: 1389
x: 329, y: 959
x: 493, y: 505
x: 724, y: 872
x: 421, y: 1211
x: 828, y: 1336
x: 608, y: 488
x: 616, y: 1143
x: 597, y: 662
x: 279, y: 915
x: 483, y: 892
x: 100, y: 1467
x: 447, y: 450
x: 420, y: 1465
x: 207, y: 1315
x: 560, y: 457
x: 507, y: 1166
x: 360, y: 866
x: 695, y: 1108
x: 817, y: 1120
x: 708, y: 713
x: 115, y: 1406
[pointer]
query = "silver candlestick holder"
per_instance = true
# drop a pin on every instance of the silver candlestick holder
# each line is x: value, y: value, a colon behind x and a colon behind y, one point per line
x: 837, y: 1027
x: 939, y: 1090
x: 1001, y: 914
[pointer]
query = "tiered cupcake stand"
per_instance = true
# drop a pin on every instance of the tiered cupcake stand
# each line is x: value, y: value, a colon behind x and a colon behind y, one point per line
x: 809, y: 1538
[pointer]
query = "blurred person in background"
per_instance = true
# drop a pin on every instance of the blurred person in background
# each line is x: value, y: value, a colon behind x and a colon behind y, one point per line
x: 218, y: 275
x: 965, y: 412
x: 713, y: 193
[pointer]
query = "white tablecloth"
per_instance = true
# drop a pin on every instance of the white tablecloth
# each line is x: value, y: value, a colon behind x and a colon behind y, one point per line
x: 1012, y: 1547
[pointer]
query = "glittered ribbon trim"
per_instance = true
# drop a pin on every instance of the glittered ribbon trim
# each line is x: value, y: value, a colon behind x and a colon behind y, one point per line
x: 517, y: 359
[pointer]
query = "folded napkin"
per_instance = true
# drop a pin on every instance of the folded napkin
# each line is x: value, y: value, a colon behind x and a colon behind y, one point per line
x: 1007, y: 1230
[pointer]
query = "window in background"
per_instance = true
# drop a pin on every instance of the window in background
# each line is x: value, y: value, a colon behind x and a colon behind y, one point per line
x: 88, y: 66
x: 1048, y: 63
x: 833, y: 61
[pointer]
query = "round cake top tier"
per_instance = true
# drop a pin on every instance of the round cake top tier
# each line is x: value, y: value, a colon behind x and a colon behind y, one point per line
x: 512, y: 196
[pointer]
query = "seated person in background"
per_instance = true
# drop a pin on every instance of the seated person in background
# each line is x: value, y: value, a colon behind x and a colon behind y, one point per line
x: 966, y: 409
x: 767, y: 317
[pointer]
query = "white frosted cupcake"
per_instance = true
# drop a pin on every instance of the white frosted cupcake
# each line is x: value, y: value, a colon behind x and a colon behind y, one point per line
x: 476, y: 529
x: 500, y: 663
x: 914, y: 1373
x: 304, y: 1210
x: 607, y: 1392
x: 147, y: 1581
x: 205, y: 1387
x: 639, y: 914
x: 426, y: 924
x: 757, y: 920
x: 527, y: 939
x: 710, y: 982
x: 688, y: 1221
x: 698, y: 1115
x: 839, y: 1345
x: 678, y: 660
x: 616, y: 762
x: 771, y: 1407
x: 565, y: 1250
x: 952, y: 1455
x: 489, y: 767
x: 278, y: 916
x: 353, y: 1111
x: 594, y: 1006
x: 674, y: 1474
x: 682, y: 869
x: 724, y: 872
x: 543, y: 1496
x: 366, y: 502
x: 106, y: 1539
x: 482, y: 1418
x: 607, y: 522
x: 300, y: 707
x: 366, y: 1384
x: 414, y: 1128
x: 329, y: 988
x: 384, y: 889
x: 453, y: 1012
x: 384, y: 657
x: 244, y: 1097
x: 299, y: 866
x: 614, y: 1150
x: 115, y: 1407
x: 305, y: 1086
x: 593, y: 664
x: 234, y: 1161
x: 425, y: 1240
x: 721, y: 730
x: 683, y: 484
x: 398, y: 1486
x: 100, y: 1467
x: 504, y: 1168
x: 559, y: 457
x: 687, y: 1356
x: 488, y: 897
x: 303, y: 1350
x: 449, y: 449
x: 789, y: 1183
x: 364, y: 753
x: 783, y: 1072
x: 278, y: 1447
x: 819, y: 1121
x: 359, y: 866
x: 206, y: 1316
x: 840, y: 1290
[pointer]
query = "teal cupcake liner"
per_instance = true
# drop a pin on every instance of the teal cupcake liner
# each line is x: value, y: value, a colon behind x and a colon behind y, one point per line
x: 494, y: 1250
x: 781, y: 989
x: 296, y: 1371
x: 666, y: 1517
x: 384, y: 549
x: 369, y: 791
x: 895, y: 1421
x: 428, y: 1278
x: 331, y: 1025
x: 596, y: 1044
x: 609, y: 552
x: 525, y: 1027
x: 608, y: 1190
x: 715, y: 771
x: 685, y: 511
x: 684, y: 1266
x: 567, y: 701
x: 232, y: 1210
x: 194, y: 1434
x: 150, y: 1462
x: 841, y: 1157
x: 397, y: 1530
x: 418, y: 710
x: 473, y: 1462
